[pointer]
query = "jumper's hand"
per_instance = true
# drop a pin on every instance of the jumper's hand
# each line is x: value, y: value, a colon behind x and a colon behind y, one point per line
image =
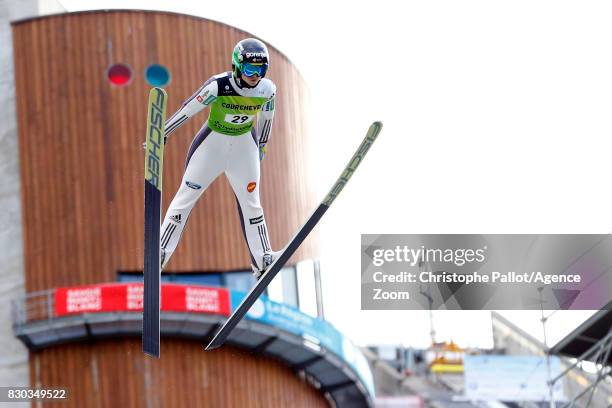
x: 262, y: 152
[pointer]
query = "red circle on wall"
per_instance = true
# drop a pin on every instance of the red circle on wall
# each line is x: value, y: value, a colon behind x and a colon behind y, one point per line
x: 119, y: 74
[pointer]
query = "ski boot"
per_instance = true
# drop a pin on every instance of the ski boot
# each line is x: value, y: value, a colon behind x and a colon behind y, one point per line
x: 268, y: 259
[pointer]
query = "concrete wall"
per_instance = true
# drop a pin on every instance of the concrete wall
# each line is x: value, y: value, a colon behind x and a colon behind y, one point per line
x: 13, y: 355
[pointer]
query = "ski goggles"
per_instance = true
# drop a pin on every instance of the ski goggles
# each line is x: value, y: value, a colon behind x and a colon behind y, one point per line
x: 252, y: 69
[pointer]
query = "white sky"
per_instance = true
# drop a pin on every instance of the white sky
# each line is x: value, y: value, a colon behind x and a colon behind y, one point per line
x: 496, y: 120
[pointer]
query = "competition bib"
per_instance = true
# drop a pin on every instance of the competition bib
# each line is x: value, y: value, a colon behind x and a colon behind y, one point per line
x: 233, y: 115
x: 238, y: 119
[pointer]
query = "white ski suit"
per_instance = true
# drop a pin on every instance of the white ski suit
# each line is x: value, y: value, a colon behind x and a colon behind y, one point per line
x: 229, y: 142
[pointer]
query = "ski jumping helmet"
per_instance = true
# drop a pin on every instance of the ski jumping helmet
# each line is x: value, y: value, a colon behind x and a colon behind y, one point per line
x: 250, y: 57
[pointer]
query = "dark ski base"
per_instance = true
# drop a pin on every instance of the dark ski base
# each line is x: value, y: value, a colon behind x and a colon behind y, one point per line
x: 150, y: 318
x: 154, y: 154
x: 296, y: 241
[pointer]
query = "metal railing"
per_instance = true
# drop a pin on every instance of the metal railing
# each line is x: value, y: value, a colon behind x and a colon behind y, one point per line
x: 599, y: 353
x: 33, y: 306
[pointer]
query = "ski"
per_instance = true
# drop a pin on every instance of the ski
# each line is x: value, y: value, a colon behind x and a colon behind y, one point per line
x: 297, y: 240
x: 154, y: 156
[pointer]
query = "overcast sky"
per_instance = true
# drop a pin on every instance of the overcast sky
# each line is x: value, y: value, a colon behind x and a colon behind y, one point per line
x: 496, y: 120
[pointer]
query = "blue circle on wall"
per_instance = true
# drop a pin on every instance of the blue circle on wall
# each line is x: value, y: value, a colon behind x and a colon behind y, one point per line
x: 157, y: 75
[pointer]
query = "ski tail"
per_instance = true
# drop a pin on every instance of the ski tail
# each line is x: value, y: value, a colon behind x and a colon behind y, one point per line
x: 297, y: 240
x: 154, y: 156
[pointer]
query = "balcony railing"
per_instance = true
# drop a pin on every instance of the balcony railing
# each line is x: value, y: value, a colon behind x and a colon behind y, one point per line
x: 33, y: 306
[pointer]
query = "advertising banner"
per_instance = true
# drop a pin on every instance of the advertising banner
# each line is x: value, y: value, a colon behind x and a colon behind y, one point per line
x: 128, y: 297
x: 510, y: 378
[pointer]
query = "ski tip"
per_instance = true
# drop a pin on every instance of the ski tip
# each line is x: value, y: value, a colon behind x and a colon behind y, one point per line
x: 375, y: 127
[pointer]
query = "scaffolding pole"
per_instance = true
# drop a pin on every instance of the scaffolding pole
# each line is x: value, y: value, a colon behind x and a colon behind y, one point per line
x: 602, y: 351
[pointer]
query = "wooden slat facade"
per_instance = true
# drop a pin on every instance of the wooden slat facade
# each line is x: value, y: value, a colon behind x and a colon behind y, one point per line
x: 115, y: 373
x: 81, y: 153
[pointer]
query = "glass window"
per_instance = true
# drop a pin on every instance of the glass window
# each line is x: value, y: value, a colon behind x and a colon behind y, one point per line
x: 129, y: 277
x: 204, y: 279
x: 306, y: 287
x: 239, y: 281
x: 283, y: 287
x: 275, y: 289
x: 290, y: 287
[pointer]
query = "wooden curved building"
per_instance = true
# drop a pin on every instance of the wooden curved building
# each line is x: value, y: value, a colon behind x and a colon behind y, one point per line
x: 115, y: 373
x: 81, y: 161
x: 81, y: 140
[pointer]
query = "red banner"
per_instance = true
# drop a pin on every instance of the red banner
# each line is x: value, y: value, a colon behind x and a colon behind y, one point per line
x: 128, y: 297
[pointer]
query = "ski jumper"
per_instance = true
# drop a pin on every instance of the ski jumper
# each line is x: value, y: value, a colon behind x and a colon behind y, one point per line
x: 238, y: 127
